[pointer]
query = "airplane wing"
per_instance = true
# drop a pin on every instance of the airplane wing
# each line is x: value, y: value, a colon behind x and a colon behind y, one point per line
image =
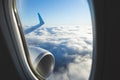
x: 41, y: 22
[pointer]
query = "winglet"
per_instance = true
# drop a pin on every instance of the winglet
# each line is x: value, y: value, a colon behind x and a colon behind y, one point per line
x: 41, y: 22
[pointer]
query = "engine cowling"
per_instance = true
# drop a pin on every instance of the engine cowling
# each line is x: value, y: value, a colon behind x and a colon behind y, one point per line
x: 42, y: 61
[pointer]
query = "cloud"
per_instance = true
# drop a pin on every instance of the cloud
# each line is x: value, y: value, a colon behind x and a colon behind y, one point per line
x: 75, y: 71
x: 71, y: 46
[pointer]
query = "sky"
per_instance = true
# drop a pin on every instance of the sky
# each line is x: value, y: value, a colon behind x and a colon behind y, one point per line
x: 54, y: 12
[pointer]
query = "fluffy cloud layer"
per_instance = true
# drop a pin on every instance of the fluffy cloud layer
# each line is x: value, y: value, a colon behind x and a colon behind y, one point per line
x: 71, y: 46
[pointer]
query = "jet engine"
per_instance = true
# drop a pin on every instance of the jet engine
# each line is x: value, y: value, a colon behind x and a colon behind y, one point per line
x: 42, y: 61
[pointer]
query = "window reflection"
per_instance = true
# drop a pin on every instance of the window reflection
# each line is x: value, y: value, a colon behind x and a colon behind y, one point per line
x: 64, y: 28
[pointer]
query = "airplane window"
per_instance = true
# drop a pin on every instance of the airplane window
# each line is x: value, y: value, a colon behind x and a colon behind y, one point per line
x: 61, y: 32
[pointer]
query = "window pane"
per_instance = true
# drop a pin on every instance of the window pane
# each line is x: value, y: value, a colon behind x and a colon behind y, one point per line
x: 64, y: 28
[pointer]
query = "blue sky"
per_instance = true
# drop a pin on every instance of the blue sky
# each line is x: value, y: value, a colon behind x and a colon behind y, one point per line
x: 54, y: 12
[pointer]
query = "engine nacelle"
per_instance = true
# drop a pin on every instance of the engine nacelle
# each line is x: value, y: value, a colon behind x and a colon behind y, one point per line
x: 42, y: 61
